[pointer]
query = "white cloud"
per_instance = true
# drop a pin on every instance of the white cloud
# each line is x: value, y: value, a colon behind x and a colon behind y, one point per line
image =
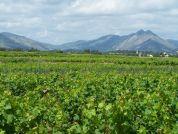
x: 43, y: 33
x: 155, y: 4
x: 67, y: 25
x: 95, y: 7
x: 16, y: 8
x: 21, y: 22
x: 10, y: 24
x: 104, y: 7
x: 173, y: 12
x: 101, y: 6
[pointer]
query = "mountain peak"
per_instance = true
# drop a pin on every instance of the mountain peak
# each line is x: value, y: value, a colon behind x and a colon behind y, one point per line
x: 143, y: 32
x: 140, y: 32
x: 149, y: 32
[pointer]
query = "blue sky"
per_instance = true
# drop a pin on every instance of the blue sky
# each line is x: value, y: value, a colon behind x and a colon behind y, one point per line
x: 59, y: 21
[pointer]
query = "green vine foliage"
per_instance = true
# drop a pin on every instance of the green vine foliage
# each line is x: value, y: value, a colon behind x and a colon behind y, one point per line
x: 43, y: 92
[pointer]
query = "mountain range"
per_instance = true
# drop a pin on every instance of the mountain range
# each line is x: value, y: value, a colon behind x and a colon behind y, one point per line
x: 141, y: 40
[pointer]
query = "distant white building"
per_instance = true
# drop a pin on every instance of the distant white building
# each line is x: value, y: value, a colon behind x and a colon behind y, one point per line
x: 164, y: 54
x: 140, y: 54
x: 167, y: 55
x: 137, y: 52
x: 149, y: 55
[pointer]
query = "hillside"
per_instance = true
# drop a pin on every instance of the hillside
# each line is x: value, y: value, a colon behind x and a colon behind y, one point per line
x: 13, y: 41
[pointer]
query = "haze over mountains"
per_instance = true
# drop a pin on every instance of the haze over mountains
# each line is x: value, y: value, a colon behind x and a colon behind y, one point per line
x: 141, y: 40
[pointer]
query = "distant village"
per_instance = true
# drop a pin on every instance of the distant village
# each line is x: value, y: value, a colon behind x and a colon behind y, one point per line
x: 141, y: 54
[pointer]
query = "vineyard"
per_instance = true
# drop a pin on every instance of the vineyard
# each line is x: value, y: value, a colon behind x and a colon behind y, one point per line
x: 50, y: 92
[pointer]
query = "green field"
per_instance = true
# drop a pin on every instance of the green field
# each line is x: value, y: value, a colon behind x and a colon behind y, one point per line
x: 45, y: 92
